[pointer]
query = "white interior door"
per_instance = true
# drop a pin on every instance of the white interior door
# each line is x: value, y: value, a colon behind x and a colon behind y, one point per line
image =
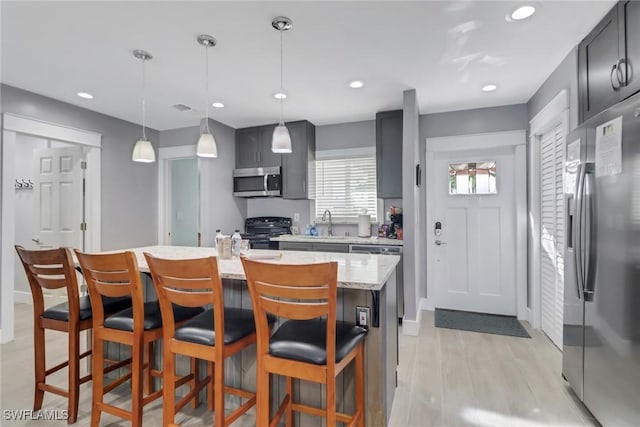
x: 58, y: 197
x: 472, y: 251
x: 552, y: 214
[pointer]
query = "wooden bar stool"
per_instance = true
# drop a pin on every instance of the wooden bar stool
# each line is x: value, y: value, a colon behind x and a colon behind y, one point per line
x: 303, y: 347
x: 115, y: 275
x: 194, y: 283
x: 53, y: 269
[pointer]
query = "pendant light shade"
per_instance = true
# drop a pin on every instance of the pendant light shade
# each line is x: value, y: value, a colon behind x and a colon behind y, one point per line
x: 281, y: 139
x: 143, y: 150
x: 207, y: 146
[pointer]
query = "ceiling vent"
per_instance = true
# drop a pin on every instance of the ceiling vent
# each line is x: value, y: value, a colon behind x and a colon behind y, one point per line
x: 181, y: 107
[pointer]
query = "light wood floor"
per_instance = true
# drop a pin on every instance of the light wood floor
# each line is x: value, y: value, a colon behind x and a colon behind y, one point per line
x: 446, y: 378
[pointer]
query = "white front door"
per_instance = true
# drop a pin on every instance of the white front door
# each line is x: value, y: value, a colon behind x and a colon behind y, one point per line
x: 472, y: 237
x: 58, y: 197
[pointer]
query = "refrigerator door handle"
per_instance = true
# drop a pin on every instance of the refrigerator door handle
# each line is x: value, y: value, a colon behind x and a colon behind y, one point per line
x: 577, y: 230
x: 589, y: 242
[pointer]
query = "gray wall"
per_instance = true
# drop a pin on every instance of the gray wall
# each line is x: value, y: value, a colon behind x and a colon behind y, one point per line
x: 479, y: 120
x: 411, y: 200
x: 129, y: 190
x: 564, y: 77
x: 219, y: 208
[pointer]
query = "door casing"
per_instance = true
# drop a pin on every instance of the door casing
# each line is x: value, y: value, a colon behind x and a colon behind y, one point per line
x: 12, y: 125
x: 471, y: 142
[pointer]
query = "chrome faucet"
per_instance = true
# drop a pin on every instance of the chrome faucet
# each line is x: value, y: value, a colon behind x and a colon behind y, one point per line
x: 324, y: 218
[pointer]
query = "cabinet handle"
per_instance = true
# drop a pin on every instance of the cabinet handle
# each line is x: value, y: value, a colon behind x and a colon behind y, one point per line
x: 259, y: 156
x: 624, y: 72
x: 304, y: 186
x: 615, y: 83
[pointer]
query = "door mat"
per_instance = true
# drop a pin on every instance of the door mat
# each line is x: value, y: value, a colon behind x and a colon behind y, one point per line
x: 480, y: 322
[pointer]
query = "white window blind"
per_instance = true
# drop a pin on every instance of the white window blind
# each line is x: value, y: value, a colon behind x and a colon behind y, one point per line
x: 345, y: 187
x: 552, y: 237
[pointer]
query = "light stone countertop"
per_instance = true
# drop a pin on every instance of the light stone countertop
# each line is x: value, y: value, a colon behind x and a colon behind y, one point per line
x: 347, y: 240
x: 355, y: 271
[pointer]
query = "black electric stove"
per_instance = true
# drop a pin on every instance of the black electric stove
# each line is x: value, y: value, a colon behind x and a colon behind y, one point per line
x: 261, y: 229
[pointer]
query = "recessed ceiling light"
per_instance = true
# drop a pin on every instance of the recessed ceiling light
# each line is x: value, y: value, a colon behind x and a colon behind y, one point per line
x: 489, y: 88
x: 356, y: 84
x: 218, y: 104
x: 523, y: 12
x: 280, y: 95
x: 85, y: 95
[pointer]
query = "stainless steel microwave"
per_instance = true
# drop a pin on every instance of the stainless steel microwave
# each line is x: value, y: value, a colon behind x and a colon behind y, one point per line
x: 257, y: 182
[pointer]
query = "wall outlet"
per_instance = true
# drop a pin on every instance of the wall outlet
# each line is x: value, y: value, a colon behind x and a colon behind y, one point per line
x: 295, y: 229
x: 296, y: 217
x: 363, y: 314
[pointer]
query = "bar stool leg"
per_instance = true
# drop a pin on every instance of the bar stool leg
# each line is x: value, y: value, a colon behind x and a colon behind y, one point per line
x: 148, y: 361
x: 360, y: 384
x: 137, y: 355
x: 74, y: 373
x: 39, y: 359
x: 168, y: 388
x: 210, y: 387
x: 289, y: 414
x: 218, y: 368
x: 97, y: 379
x: 195, y: 370
x: 262, y: 396
x: 331, y: 400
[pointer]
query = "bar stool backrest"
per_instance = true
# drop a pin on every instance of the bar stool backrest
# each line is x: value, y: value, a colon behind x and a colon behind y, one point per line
x: 188, y: 283
x: 51, y: 269
x: 296, y: 292
x: 113, y: 275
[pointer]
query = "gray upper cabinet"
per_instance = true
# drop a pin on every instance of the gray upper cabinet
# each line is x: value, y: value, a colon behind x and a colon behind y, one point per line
x: 606, y: 60
x: 629, y: 14
x: 389, y: 154
x: 298, y: 174
x: 253, y: 148
x: 597, y: 56
x: 266, y: 157
x: 247, y: 148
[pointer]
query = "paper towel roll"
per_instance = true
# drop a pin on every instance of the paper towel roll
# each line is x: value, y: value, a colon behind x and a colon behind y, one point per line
x: 364, y: 225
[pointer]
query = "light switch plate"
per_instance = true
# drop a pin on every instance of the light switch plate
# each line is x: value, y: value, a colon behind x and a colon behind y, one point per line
x: 296, y: 217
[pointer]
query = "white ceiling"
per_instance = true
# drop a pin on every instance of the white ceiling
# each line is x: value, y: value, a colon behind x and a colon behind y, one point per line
x: 446, y: 50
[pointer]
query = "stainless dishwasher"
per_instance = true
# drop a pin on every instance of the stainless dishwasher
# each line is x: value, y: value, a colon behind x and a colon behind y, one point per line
x: 386, y: 250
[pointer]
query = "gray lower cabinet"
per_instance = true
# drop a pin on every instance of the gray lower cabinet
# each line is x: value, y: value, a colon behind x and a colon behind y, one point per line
x: 389, y: 154
x: 607, y: 59
x: 315, y: 247
x: 298, y: 173
x: 253, y: 148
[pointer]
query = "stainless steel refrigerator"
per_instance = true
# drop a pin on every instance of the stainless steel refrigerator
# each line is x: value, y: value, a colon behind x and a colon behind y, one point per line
x: 601, y: 333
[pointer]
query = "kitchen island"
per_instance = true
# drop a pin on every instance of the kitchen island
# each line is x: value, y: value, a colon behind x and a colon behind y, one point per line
x: 363, y: 280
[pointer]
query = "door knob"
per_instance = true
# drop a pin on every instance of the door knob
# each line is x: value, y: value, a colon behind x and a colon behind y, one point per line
x: 440, y: 242
x: 37, y: 240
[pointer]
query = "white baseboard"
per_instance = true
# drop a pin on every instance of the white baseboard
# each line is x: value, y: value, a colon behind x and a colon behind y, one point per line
x: 412, y: 327
x: 22, y: 297
x: 427, y: 304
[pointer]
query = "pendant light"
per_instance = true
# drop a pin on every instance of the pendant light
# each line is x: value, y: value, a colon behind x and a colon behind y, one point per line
x: 281, y: 140
x: 143, y: 150
x: 207, y: 146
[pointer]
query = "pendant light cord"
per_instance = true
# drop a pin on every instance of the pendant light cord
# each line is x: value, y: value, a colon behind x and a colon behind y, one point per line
x: 144, y: 135
x: 281, y: 77
x: 206, y: 79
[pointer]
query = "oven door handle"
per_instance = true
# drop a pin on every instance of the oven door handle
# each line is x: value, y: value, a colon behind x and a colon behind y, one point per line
x: 266, y: 182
